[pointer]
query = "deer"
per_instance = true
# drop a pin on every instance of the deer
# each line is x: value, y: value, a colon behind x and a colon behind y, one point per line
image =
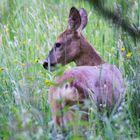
x: 91, y: 73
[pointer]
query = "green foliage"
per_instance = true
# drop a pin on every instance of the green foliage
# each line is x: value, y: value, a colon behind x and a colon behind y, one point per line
x: 28, y: 30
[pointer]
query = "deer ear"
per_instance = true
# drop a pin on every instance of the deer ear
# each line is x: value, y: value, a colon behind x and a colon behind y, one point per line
x: 74, y: 19
x: 84, y: 18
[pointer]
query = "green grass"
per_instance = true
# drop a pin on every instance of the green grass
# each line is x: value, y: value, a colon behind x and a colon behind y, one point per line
x: 28, y: 30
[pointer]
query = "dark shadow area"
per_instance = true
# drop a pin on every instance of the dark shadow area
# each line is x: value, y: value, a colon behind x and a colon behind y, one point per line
x: 116, y: 18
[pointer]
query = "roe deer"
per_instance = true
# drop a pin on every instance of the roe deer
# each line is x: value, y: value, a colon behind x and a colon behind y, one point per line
x: 91, y: 74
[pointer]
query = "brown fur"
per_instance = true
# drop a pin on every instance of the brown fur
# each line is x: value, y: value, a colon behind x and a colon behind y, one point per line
x: 105, y: 81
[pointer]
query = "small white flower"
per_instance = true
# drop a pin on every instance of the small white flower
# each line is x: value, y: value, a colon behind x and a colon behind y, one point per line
x: 100, y: 105
x: 120, y: 108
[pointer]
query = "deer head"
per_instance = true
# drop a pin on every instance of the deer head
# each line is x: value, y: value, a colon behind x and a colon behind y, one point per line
x: 71, y: 45
x: 67, y: 46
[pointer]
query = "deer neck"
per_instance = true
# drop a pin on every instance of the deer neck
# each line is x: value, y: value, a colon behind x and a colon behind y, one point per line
x: 88, y: 55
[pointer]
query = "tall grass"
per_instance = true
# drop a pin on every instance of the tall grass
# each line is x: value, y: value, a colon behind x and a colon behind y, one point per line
x: 28, y: 30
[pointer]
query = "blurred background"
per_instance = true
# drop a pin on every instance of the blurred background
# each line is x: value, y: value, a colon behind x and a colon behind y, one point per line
x: 28, y: 30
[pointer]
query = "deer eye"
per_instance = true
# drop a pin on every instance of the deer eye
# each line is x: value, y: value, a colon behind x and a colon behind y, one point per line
x: 57, y: 45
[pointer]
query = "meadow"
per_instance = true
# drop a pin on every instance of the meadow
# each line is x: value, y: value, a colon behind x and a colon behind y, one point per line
x: 28, y: 30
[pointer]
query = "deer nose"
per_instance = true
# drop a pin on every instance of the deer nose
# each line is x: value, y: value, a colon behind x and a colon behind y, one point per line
x: 45, y: 64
